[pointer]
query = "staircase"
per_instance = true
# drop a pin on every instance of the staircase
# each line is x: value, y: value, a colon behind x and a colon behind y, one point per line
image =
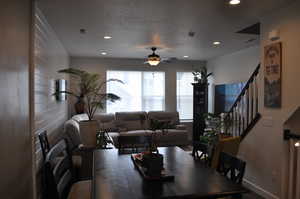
x: 243, y: 115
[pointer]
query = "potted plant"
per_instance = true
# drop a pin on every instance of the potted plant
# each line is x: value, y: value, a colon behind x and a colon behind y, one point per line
x: 152, y: 160
x: 201, y: 75
x: 213, y: 129
x: 91, y: 98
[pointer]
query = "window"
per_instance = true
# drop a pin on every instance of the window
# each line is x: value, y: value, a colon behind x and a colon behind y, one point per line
x: 141, y: 91
x: 185, y: 95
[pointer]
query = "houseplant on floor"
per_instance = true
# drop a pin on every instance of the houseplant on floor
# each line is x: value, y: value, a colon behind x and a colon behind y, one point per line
x: 89, y: 92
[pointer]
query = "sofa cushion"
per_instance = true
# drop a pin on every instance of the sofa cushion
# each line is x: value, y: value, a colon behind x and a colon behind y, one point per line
x: 72, y: 132
x: 180, y: 127
x: 136, y: 133
x: 80, y: 117
x: 162, y: 116
x: 171, y: 137
x: 106, y: 121
x: 127, y: 121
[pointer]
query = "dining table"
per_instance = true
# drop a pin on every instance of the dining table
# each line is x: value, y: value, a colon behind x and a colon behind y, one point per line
x: 115, y: 176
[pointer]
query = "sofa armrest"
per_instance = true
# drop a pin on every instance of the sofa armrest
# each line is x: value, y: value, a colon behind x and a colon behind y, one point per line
x: 81, y: 148
x: 180, y: 127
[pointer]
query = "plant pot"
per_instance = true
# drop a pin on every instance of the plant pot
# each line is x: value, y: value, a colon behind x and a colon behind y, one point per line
x: 79, y: 106
x: 88, y: 133
x: 153, y: 162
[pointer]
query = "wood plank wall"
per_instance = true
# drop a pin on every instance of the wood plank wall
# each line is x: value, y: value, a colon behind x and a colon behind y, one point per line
x: 49, y: 114
x: 15, y: 136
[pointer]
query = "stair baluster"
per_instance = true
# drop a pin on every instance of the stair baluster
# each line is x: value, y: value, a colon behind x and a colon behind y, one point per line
x: 244, y: 112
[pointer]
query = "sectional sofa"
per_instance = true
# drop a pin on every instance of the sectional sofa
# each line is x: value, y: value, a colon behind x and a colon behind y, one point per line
x: 123, y: 124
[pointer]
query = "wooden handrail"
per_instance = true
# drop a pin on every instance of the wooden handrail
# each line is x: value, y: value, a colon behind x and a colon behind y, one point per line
x: 254, y: 74
x: 287, y: 134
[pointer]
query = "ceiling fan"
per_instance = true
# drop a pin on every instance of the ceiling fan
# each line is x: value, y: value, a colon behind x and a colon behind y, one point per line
x: 154, y: 59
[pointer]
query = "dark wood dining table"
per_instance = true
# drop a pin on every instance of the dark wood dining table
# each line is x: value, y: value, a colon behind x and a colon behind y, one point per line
x: 115, y: 177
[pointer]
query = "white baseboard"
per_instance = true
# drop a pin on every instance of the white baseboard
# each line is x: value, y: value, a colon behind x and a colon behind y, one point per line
x: 260, y: 191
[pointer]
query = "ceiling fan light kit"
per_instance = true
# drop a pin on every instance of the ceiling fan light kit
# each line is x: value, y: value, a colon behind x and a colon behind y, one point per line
x: 153, y: 59
x: 234, y: 2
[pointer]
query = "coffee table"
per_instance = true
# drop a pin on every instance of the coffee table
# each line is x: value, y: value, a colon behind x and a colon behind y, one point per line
x: 115, y: 176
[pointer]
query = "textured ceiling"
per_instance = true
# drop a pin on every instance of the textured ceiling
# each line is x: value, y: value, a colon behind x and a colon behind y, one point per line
x: 137, y: 24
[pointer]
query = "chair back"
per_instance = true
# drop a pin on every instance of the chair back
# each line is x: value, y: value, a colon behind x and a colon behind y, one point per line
x: 58, y: 165
x: 44, y: 143
x: 231, y: 167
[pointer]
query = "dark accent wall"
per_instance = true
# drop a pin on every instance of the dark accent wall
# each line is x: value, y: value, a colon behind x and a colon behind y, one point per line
x: 49, y: 114
x: 15, y: 137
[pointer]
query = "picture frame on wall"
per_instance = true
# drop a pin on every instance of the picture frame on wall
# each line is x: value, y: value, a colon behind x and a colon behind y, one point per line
x: 272, y: 75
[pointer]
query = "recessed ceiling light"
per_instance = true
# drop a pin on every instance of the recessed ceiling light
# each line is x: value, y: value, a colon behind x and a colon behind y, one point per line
x: 216, y: 43
x: 234, y: 2
x: 104, y: 53
x: 185, y: 56
x: 107, y: 37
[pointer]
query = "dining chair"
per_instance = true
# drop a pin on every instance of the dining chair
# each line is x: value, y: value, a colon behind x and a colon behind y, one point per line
x: 231, y: 167
x: 45, y: 146
x: 59, y: 179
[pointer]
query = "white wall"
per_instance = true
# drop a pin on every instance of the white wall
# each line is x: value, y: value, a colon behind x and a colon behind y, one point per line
x: 266, y: 161
x: 101, y: 65
x: 232, y: 68
x: 235, y: 67
x: 263, y: 148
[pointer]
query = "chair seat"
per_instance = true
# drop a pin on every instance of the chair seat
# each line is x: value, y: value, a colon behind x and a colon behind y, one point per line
x: 81, y: 190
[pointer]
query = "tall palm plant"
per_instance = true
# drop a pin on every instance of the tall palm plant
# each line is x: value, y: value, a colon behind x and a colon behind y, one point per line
x: 90, y: 87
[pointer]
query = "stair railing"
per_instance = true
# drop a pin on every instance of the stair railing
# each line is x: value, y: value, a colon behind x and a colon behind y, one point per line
x: 244, y: 112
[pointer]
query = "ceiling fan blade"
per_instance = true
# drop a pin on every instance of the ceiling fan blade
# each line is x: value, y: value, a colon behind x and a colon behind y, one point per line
x: 169, y: 60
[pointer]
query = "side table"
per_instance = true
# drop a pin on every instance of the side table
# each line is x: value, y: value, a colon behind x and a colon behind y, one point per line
x: 104, y: 141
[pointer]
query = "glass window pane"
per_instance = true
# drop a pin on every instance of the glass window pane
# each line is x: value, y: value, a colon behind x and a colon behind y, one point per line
x: 185, y: 95
x: 130, y: 91
x: 153, y: 91
x: 141, y: 91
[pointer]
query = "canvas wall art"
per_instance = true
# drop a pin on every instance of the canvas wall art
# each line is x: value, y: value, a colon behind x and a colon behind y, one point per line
x: 272, y: 75
x: 225, y: 96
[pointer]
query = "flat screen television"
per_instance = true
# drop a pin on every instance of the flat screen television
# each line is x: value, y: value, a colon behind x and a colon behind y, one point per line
x: 225, y: 96
x: 61, y: 86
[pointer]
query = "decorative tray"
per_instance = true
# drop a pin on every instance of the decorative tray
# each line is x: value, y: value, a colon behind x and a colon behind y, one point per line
x: 137, y: 161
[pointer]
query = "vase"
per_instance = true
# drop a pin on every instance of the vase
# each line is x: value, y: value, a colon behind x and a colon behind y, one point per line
x: 153, y: 162
x: 79, y: 106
